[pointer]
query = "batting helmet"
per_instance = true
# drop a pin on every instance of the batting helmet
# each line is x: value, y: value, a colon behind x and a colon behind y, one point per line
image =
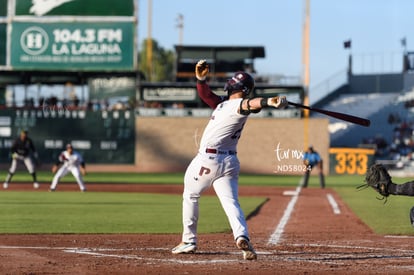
x: 241, y: 81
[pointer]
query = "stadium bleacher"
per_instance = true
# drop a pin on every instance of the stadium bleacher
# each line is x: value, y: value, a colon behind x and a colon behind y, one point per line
x: 390, y: 132
x: 374, y: 106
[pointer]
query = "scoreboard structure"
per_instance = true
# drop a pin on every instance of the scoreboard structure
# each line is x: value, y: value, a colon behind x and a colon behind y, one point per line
x: 104, y: 137
x: 82, y: 42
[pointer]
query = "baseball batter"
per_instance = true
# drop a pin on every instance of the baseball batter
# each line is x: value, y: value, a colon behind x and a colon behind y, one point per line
x: 216, y: 163
x: 22, y: 150
x: 69, y: 161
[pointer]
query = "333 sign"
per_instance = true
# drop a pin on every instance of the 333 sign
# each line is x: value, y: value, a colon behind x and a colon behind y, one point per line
x: 352, y: 161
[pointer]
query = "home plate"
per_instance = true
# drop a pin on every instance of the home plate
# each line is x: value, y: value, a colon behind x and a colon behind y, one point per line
x: 290, y: 193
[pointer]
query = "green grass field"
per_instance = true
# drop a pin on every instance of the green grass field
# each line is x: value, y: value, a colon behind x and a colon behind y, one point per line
x: 105, y: 212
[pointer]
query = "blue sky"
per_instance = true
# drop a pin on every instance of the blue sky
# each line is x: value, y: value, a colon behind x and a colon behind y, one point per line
x: 375, y: 28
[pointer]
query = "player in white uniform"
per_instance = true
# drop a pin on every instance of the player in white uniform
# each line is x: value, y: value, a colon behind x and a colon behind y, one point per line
x: 69, y: 161
x: 216, y: 163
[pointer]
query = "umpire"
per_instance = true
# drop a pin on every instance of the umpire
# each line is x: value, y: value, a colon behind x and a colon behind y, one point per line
x: 311, y: 159
x: 23, y: 150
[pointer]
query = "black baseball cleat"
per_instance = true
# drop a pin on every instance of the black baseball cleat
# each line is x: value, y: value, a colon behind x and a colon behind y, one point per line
x: 412, y: 216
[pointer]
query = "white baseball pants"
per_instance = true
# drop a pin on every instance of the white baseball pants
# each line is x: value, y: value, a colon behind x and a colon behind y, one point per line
x: 63, y: 170
x: 221, y: 171
x: 28, y: 162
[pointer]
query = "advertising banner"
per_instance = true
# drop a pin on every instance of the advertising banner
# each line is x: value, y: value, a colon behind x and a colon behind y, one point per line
x: 84, y: 46
x: 169, y: 94
x: 103, y: 88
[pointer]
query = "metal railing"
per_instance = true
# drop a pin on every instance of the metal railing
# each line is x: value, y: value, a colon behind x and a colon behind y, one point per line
x: 325, y: 87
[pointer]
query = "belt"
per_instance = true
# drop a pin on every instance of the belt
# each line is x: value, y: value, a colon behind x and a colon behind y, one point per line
x: 220, y: 152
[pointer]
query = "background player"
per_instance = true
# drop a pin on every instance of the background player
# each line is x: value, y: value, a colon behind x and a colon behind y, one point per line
x: 69, y: 161
x: 216, y: 163
x: 23, y: 150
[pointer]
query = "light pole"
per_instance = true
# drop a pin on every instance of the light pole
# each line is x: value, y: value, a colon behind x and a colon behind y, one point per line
x: 180, y: 27
x: 305, y: 62
x: 149, y: 42
x: 305, y: 54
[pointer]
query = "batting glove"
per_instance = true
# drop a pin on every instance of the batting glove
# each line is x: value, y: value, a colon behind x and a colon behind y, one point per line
x: 201, y: 70
x: 277, y: 102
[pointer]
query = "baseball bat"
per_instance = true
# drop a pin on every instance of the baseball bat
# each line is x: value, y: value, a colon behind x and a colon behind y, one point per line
x: 353, y: 119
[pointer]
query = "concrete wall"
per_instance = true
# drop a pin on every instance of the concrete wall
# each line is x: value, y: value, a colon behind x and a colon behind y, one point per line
x: 267, y: 145
x: 376, y: 83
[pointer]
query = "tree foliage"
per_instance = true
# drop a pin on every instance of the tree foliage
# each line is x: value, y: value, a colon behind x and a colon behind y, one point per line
x: 162, y: 65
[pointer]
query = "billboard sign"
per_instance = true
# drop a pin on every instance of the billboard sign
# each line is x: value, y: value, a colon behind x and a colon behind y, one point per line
x: 169, y: 94
x: 68, y: 35
x: 73, y: 46
x: 103, y: 88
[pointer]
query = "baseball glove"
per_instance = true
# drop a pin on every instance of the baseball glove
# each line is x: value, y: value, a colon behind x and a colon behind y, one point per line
x: 378, y: 178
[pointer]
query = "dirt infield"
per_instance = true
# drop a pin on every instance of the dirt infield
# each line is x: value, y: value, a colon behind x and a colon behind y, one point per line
x: 306, y: 232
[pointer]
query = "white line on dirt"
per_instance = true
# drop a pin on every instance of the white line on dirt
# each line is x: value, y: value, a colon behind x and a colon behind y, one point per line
x: 336, y: 258
x: 91, y: 250
x: 76, y: 248
x: 391, y: 249
x: 333, y: 204
x: 97, y: 252
x: 277, y: 234
x: 33, y: 247
x: 135, y: 257
x: 398, y: 237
